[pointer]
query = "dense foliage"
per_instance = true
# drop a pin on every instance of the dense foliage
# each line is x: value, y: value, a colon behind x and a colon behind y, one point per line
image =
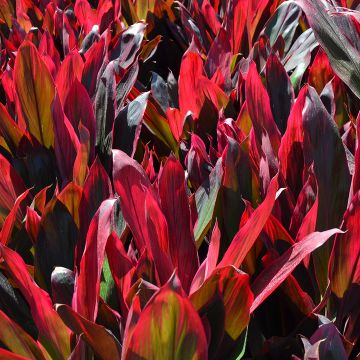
x: 179, y: 179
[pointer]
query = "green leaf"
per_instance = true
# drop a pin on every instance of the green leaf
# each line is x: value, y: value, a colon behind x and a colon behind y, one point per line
x: 205, y: 198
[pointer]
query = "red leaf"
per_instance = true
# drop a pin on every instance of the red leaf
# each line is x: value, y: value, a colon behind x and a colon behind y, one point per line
x: 78, y: 108
x: 247, y: 235
x: 209, y: 264
x: 66, y: 142
x: 94, y: 59
x: 17, y: 340
x: 233, y: 287
x: 320, y: 72
x: 324, y: 148
x: 175, y: 205
x: 87, y: 283
x: 97, y: 188
x: 7, y: 355
x: 273, y: 275
x: 101, y: 340
x: 190, y: 71
x: 258, y: 104
x: 85, y: 15
x: 236, y: 19
x: 121, y: 267
x: 11, y: 186
x: 168, y: 325
x: 47, y: 48
x: 176, y: 122
x: 158, y: 237
x: 344, y: 266
x: 71, y: 69
x: 291, y: 148
x: 10, y: 220
x: 55, y: 335
x: 355, y: 184
x: 131, y: 183
x: 9, y: 129
x: 32, y: 224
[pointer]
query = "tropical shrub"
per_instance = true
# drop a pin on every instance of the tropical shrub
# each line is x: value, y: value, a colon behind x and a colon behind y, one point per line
x: 179, y: 179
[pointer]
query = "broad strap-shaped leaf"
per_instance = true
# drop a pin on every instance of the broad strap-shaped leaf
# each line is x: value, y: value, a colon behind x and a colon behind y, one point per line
x: 94, y: 59
x: 121, y: 267
x: 127, y: 125
x: 32, y: 223
x: 233, y: 287
x: 195, y: 89
x: 205, y: 198
x: 158, y: 237
x: 324, y: 147
x: 280, y: 90
x: 11, y: 219
x: 331, y: 32
x: 277, y: 271
x: 66, y: 142
x: 131, y: 183
x: 236, y: 184
x: 53, y: 334
x: 355, y: 182
x: 299, y: 53
x: 247, y: 235
x: 176, y: 122
x: 128, y: 45
x: 11, y: 186
x: 105, y: 108
x: 18, y: 341
x: 258, y: 104
x: 87, y: 283
x: 283, y: 23
x: 35, y: 89
x: 218, y: 61
x: 78, y: 108
x: 156, y: 122
x: 298, y: 57
x: 71, y: 69
x: 344, y: 267
x: 126, y: 83
x: 7, y: 12
x: 81, y: 169
x: 320, y: 72
x: 15, y: 306
x: 55, y: 243
x: 97, y: 188
x: 197, y: 162
x: 301, y: 222
x: 235, y: 22
x: 291, y: 149
x: 329, y: 343
x: 8, y: 355
x: 101, y: 340
x: 9, y: 129
x: 175, y: 206
x: 209, y: 264
x: 168, y: 328
x: 85, y: 15
x: 70, y: 196
x: 159, y: 91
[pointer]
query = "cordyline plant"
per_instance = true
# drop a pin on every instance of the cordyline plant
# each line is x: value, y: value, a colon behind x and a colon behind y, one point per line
x: 179, y: 179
